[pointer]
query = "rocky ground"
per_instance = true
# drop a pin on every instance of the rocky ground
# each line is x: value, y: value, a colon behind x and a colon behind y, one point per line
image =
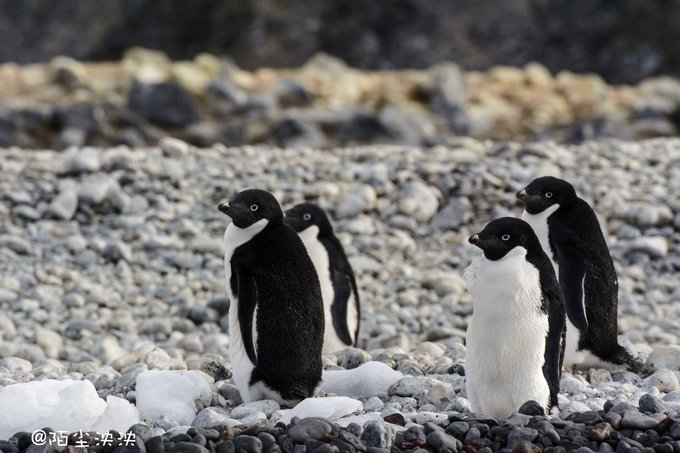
x: 111, y: 264
x: 323, y: 104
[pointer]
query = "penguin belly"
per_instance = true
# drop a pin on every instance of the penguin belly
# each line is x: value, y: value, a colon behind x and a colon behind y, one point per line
x: 319, y: 256
x: 506, y: 336
x: 241, y: 366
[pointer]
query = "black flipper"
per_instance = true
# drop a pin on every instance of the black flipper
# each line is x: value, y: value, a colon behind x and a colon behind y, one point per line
x: 554, y: 345
x: 247, y: 301
x: 344, y: 285
x: 572, y: 273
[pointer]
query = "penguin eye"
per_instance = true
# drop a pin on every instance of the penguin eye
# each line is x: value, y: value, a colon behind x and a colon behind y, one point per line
x: 505, y: 237
x: 307, y: 216
x: 548, y: 195
x: 254, y: 207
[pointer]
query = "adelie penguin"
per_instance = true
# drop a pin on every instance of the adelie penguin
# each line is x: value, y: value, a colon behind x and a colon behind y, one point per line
x: 338, y: 285
x: 276, y: 314
x: 515, y: 337
x: 571, y: 236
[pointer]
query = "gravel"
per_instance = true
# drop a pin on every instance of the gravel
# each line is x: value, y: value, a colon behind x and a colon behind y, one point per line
x: 132, y: 279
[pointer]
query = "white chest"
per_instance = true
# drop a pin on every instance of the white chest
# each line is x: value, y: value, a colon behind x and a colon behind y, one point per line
x: 242, y: 367
x: 539, y: 223
x: 506, y: 335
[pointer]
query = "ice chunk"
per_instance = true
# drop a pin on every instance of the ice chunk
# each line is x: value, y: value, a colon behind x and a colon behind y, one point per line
x: 331, y: 408
x: 365, y: 381
x: 171, y: 393
x: 64, y: 405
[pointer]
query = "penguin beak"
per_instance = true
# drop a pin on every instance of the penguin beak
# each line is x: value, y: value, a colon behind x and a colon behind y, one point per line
x: 474, y: 239
x: 224, y: 207
x: 522, y: 194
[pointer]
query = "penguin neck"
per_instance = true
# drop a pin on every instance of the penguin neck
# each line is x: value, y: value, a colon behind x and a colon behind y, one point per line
x: 235, y: 236
x: 310, y: 233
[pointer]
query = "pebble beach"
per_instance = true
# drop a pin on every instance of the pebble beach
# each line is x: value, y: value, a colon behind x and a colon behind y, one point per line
x: 112, y: 266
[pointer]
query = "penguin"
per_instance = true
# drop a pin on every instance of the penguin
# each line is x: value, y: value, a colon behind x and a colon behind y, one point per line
x: 571, y: 236
x: 338, y: 285
x: 276, y: 320
x: 515, y: 336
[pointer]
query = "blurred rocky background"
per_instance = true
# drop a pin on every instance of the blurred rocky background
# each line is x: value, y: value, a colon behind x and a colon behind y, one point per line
x: 315, y: 73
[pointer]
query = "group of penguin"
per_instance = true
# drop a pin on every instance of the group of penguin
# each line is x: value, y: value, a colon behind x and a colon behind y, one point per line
x: 544, y: 292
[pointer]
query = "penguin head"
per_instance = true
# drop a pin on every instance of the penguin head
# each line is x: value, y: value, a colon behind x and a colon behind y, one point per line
x: 304, y: 215
x: 545, y: 192
x: 251, y: 206
x: 502, y: 235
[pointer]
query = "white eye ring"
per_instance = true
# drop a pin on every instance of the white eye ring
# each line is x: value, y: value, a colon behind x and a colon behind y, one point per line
x: 254, y: 207
x: 548, y: 195
x: 307, y: 216
x: 505, y: 237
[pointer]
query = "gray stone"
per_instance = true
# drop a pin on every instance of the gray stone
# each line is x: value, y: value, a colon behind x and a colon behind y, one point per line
x: 418, y: 200
x: 665, y: 357
x: 310, y: 428
x: 117, y: 251
x: 649, y: 215
x: 16, y: 244
x: 87, y: 160
x: 635, y: 420
x: 654, y: 246
x: 378, y: 434
x: 213, y: 418
x: 64, y: 205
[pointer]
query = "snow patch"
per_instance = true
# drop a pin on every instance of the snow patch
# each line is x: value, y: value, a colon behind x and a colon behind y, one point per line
x: 369, y: 379
x: 171, y: 393
x: 65, y: 405
x: 331, y: 408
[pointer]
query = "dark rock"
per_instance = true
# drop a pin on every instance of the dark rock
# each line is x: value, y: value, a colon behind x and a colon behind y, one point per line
x: 180, y: 438
x: 292, y: 93
x: 526, y: 447
x: 531, y: 407
x: 458, y: 429
x: 439, y: 440
x: 189, y: 447
x: 310, y: 428
x: 519, y: 435
x: 200, y: 440
x: 588, y: 418
x: 341, y: 445
x: 655, y: 405
x: 600, y: 432
x: 224, y: 96
x: 675, y: 431
x: 472, y: 435
x: 8, y: 447
x: 352, y: 438
x: 325, y: 448
x: 297, y: 133
x: 413, y: 437
x: 267, y: 440
x: 141, y: 431
x: 613, y: 419
x: 364, y: 128
x: 155, y: 445
x: 225, y: 447
x: 249, y: 444
x: 396, y: 418
x: 165, y: 104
